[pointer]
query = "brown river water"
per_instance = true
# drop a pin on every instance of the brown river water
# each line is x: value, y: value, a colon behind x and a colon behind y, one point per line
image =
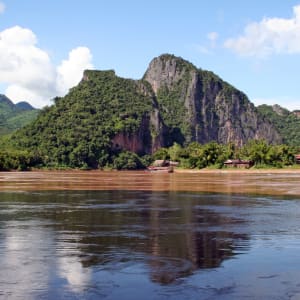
x: 230, y: 182
x: 141, y: 235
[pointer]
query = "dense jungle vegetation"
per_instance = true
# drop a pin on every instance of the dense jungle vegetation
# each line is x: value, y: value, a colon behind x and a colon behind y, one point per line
x: 194, y: 156
x: 76, y: 131
x: 286, y: 122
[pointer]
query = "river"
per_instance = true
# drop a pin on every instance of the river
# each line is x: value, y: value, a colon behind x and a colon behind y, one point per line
x: 139, y: 235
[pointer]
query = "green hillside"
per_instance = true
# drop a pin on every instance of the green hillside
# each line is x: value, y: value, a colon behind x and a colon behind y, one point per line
x: 15, y: 116
x: 77, y: 130
x: 286, y: 122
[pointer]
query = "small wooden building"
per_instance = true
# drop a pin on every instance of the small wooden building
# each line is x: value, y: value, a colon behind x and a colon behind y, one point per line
x: 297, y: 157
x: 238, y: 163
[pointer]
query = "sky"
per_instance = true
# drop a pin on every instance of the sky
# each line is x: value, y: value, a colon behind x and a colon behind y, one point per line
x: 46, y: 45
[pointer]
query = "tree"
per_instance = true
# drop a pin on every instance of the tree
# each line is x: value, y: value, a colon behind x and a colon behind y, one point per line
x: 127, y: 161
x: 175, y: 152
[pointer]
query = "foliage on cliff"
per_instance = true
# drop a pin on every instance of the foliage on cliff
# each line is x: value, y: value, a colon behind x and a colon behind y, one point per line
x: 193, y: 156
x: 76, y: 131
x: 199, y: 106
x: 286, y: 122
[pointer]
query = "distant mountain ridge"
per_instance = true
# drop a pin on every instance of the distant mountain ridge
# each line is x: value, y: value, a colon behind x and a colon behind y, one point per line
x: 24, y: 105
x: 15, y: 116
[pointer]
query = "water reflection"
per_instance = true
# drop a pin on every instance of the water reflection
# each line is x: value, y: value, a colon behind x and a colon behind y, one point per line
x: 71, y: 268
x: 26, y: 257
x: 66, y: 241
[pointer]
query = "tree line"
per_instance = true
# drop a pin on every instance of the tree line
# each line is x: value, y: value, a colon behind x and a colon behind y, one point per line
x: 193, y: 156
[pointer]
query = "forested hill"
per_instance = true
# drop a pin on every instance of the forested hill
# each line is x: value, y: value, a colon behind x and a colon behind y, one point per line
x: 174, y: 102
x: 15, y: 116
x: 287, y: 123
x: 98, y: 118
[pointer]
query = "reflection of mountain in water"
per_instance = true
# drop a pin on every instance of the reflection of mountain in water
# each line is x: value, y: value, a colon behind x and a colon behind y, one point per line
x: 172, y: 234
x: 202, y: 250
x: 203, y: 239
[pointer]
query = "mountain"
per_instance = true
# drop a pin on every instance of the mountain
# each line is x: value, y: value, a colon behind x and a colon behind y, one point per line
x: 173, y: 102
x: 99, y: 117
x: 199, y: 106
x: 287, y: 123
x: 14, y: 116
x: 23, y: 105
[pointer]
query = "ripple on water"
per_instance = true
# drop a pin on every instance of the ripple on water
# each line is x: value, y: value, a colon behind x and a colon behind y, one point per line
x: 83, y: 244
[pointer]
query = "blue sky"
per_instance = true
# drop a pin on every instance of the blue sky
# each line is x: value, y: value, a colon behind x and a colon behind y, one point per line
x: 254, y: 45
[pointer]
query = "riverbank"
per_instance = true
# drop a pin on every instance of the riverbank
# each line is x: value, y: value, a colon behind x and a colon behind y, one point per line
x: 293, y: 170
x: 286, y: 170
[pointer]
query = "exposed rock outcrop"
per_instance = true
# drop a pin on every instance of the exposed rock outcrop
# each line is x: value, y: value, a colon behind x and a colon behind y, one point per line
x: 149, y: 137
x: 198, y: 106
x: 297, y: 113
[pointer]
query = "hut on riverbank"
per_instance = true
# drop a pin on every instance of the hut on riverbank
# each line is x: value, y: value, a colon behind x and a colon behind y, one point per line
x: 297, y: 158
x: 238, y: 163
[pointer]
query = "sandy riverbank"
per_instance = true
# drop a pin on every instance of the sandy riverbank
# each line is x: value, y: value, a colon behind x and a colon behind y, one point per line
x: 239, y: 171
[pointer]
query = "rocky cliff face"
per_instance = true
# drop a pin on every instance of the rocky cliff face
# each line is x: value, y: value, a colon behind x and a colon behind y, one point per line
x: 198, y: 106
x: 149, y: 137
x: 297, y: 113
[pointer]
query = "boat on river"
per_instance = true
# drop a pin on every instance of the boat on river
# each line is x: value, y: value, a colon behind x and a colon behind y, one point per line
x: 168, y: 169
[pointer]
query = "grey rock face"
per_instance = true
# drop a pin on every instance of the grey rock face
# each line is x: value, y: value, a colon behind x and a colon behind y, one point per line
x: 199, y: 106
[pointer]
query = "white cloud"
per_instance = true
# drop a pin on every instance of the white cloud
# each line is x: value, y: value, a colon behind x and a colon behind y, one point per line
x: 212, y: 36
x: 28, y: 72
x: 202, y: 49
x: 2, y: 7
x: 207, y: 49
x: 69, y: 72
x: 26, y: 68
x: 269, y: 36
x: 19, y: 93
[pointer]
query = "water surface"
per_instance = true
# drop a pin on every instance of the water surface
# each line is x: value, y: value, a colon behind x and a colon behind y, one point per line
x: 273, y: 182
x: 143, y: 244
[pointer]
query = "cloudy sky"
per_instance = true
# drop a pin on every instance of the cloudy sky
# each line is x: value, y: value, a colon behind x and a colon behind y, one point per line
x: 46, y: 45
